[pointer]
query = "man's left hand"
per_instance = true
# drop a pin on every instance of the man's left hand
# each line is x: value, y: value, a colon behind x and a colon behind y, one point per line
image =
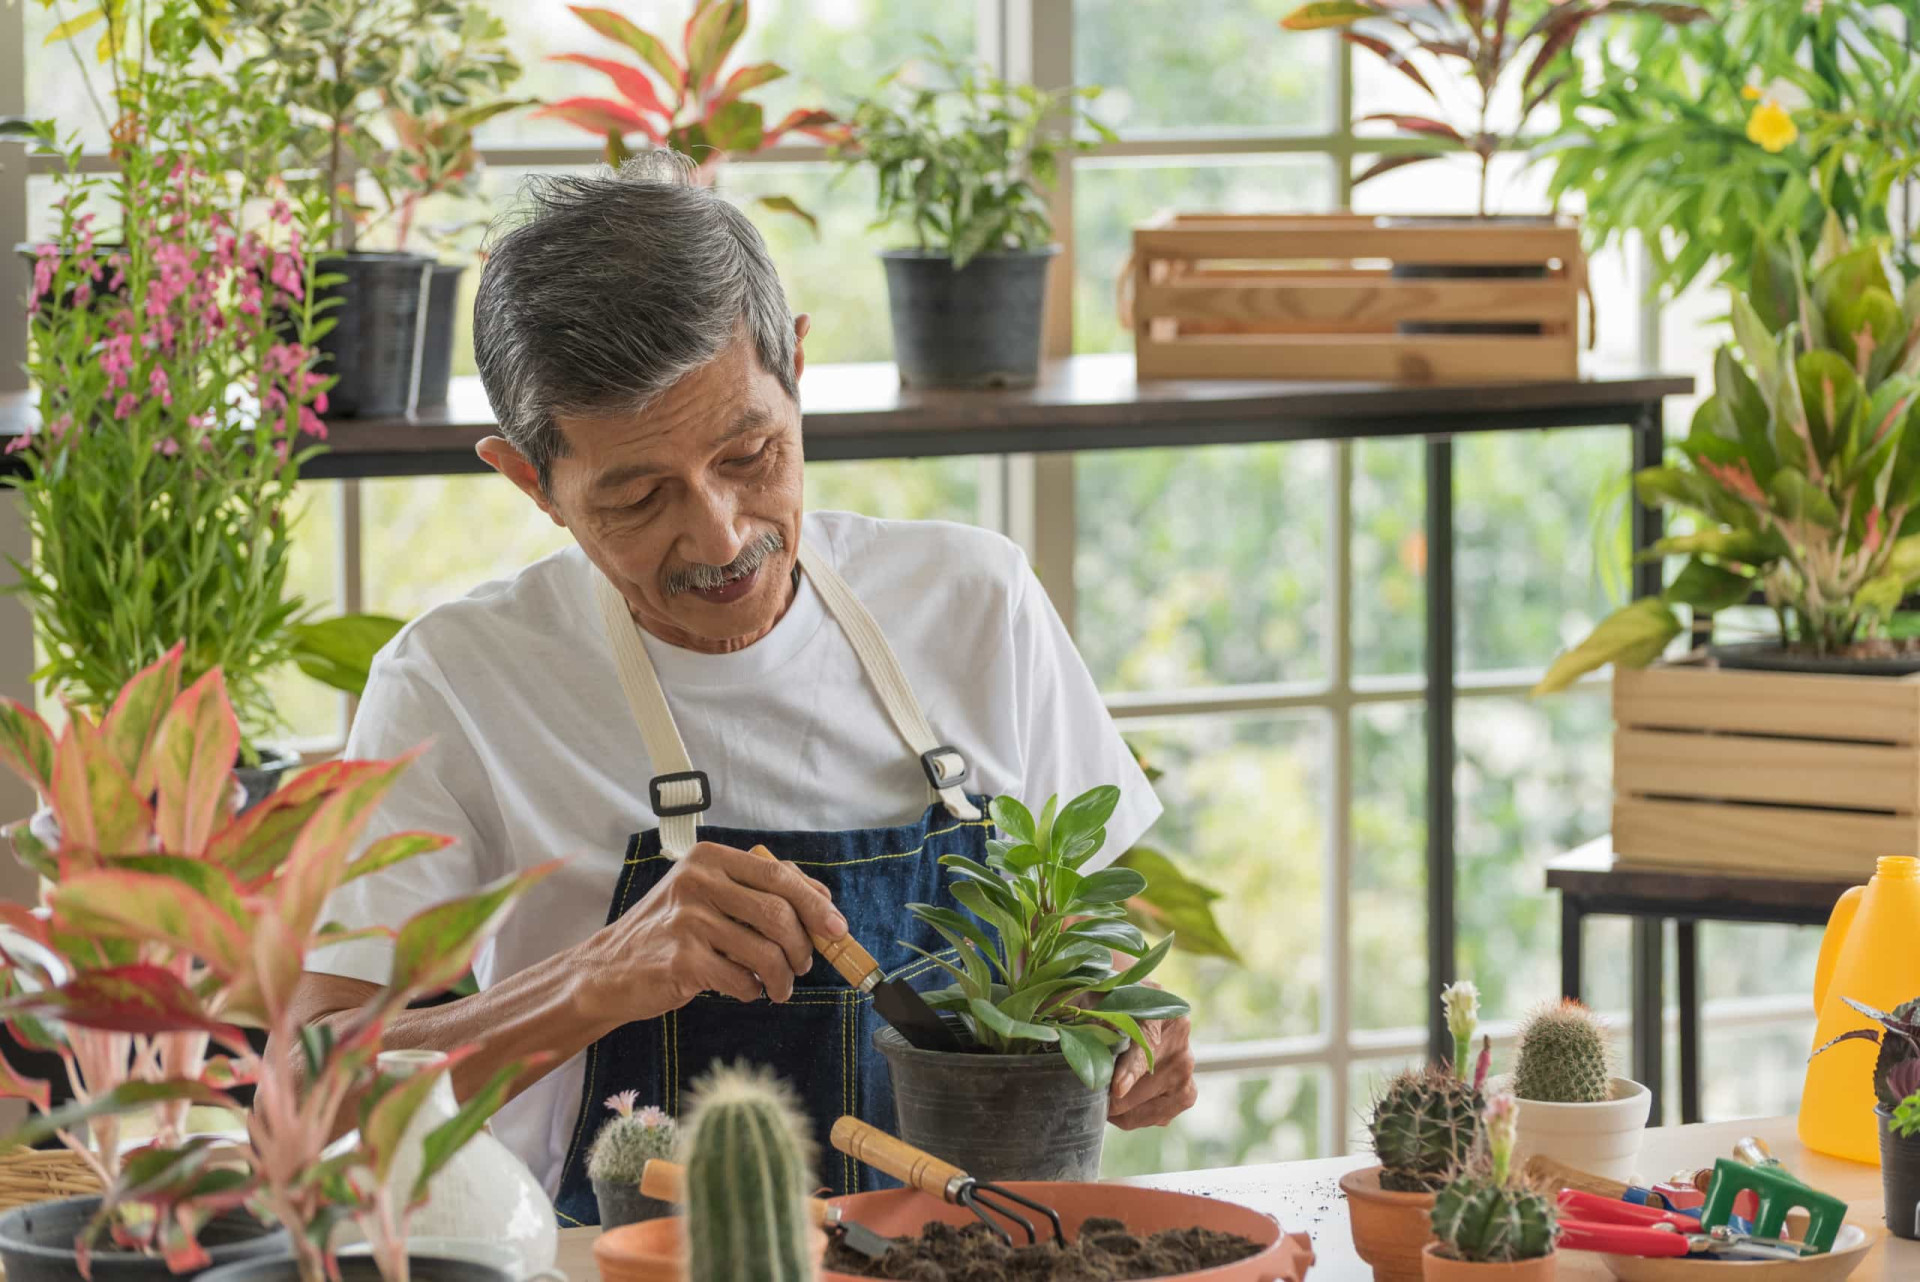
x: 1141, y: 1098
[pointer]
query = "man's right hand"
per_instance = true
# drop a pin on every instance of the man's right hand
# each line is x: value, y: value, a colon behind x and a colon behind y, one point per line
x: 721, y: 920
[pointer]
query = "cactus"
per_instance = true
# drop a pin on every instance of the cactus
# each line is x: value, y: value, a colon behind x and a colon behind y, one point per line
x: 629, y: 1141
x: 1566, y: 1057
x: 1424, y: 1125
x: 1484, y: 1215
x: 749, y: 1166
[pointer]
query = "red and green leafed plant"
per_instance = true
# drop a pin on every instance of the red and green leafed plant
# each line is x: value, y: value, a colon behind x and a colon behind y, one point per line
x: 167, y: 925
x: 681, y: 101
x: 1482, y: 42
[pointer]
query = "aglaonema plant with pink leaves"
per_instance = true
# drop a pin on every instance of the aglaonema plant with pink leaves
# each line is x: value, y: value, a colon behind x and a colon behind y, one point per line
x: 168, y: 925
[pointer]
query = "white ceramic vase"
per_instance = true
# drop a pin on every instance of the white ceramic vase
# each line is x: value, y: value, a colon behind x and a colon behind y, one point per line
x: 484, y: 1194
x: 1601, y: 1139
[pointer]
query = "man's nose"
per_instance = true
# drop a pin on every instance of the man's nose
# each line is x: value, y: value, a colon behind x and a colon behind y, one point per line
x: 710, y: 533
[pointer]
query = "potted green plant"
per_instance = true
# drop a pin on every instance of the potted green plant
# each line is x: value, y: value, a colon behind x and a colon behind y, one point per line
x: 1715, y: 140
x: 339, y: 65
x: 686, y: 101
x: 1800, y: 474
x: 1037, y: 989
x: 1487, y: 1222
x: 962, y: 160
x: 626, y: 1143
x: 169, y: 924
x: 160, y: 503
x: 1424, y: 1126
x: 1578, y: 1112
x: 1900, y: 1150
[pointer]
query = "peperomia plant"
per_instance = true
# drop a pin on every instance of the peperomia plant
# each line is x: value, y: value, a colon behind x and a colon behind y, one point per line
x: 1041, y: 975
x: 1801, y: 472
x: 169, y: 924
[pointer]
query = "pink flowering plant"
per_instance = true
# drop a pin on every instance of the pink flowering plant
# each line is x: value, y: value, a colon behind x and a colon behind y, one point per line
x: 1800, y: 476
x: 171, y: 327
x: 168, y: 924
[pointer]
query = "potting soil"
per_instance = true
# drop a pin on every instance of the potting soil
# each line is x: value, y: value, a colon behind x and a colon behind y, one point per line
x: 1103, y: 1252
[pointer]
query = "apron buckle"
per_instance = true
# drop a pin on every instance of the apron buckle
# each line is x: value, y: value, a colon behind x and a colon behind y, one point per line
x: 946, y: 767
x: 664, y: 809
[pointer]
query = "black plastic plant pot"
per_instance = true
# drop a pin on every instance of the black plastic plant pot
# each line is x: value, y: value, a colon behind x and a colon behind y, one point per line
x: 1899, y: 1177
x: 1469, y: 271
x: 257, y: 782
x: 36, y: 1245
x: 972, y: 328
x: 374, y: 346
x: 1771, y: 656
x: 996, y: 1117
x: 626, y: 1204
x: 358, y: 1268
x: 436, y: 348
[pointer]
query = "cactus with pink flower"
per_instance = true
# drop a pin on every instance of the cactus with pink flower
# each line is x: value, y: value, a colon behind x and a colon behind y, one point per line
x: 1799, y: 481
x: 630, y: 1139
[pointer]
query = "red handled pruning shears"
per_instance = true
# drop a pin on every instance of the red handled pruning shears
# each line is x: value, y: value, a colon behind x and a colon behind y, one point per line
x: 1589, y: 1222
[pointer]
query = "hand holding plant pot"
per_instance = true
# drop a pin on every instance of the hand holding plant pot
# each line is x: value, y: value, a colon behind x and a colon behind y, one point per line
x: 1801, y: 472
x: 961, y: 161
x: 1038, y: 989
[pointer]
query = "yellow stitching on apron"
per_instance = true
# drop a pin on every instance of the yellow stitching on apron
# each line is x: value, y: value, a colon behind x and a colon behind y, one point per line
x: 848, y: 863
x: 571, y: 1222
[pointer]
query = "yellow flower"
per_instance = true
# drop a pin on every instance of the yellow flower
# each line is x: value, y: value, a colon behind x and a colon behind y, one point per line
x: 1750, y: 92
x: 1771, y: 127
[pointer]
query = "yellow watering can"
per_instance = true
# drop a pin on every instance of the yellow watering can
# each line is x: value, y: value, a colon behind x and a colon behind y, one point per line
x: 1871, y: 953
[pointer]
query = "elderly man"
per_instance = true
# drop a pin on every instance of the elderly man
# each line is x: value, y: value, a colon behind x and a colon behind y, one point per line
x: 706, y: 670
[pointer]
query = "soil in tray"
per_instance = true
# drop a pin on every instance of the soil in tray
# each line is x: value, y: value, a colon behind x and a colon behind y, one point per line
x: 1104, y: 1252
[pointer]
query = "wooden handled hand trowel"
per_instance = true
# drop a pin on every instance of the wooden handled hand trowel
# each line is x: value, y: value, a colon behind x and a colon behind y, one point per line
x: 894, y: 1000
x: 667, y: 1181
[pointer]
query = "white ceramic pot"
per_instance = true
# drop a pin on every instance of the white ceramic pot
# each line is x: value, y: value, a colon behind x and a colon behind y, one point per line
x: 1601, y: 1139
x: 484, y: 1194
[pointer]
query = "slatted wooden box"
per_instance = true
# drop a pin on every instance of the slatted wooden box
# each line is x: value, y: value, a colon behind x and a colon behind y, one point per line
x: 1765, y: 771
x: 1314, y: 296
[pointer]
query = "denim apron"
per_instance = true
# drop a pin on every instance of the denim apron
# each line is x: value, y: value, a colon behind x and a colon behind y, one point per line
x: 820, y: 1040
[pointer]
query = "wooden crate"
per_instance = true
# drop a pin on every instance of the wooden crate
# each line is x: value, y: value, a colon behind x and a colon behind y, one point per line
x: 1312, y: 296
x: 1767, y: 771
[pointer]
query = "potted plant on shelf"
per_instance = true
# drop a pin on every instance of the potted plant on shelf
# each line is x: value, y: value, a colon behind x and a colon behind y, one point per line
x: 962, y: 160
x: 1577, y: 1112
x: 626, y: 1143
x: 171, y: 924
x: 1038, y: 990
x: 1800, y: 477
x: 1487, y: 1222
x: 340, y: 65
x: 686, y: 101
x: 1424, y: 1125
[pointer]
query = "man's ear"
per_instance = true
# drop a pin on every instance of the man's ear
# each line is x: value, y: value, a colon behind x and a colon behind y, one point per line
x: 499, y: 454
x: 801, y: 324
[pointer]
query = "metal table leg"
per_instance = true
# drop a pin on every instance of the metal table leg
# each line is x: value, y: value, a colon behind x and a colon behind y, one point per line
x: 1649, y: 1032
x: 1689, y: 964
x: 1573, y: 916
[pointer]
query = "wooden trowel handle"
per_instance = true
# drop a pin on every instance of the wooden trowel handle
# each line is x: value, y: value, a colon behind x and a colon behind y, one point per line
x: 855, y: 964
x: 667, y: 1181
x: 1561, y: 1176
x: 897, y: 1158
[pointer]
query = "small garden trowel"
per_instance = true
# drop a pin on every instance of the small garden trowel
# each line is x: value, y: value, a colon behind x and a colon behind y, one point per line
x: 667, y: 1181
x: 894, y: 1000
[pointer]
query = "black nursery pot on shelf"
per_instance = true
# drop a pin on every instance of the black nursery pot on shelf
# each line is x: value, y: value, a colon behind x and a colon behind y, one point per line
x: 374, y: 347
x: 972, y: 328
x: 1470, y: 271
x: 436, y: 348
x: 1899, y: 1177
x: 36, y: 1244
x: 1771, y: 656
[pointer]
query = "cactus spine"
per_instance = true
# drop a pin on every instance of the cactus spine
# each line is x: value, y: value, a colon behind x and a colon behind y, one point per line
x: 749, y: 1166
x: 629, y: 1141
x: 1484, y: 1215
x: 1566, y: 1057
x: 1424, y: 1125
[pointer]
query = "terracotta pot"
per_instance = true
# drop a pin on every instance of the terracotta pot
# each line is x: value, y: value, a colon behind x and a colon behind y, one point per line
x: 1389, y: 1229
x: 1444, y: 1268
x: 653, y: 1251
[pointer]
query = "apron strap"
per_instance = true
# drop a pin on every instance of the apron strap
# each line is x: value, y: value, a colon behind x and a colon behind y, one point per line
x: 946, y: 768
x: 679, y: 794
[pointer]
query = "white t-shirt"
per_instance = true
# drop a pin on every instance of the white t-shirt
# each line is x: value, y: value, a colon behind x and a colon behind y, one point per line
x: 535, y: 754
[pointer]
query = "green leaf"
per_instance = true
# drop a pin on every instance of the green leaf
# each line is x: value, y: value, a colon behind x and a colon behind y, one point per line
x: 1000, y: 1022
x: 1881, y: 595
x: 1084, y: 815
x: 616, y: 26
x: 1707, y: 588
x: 1797, y: 499
x: 1117, y: 935
x: 1322, y: 14
x: 128, y: 1097
x: 1111, y: 886
x: 1012, y: 818
x: 787, y: 205
x: 339, y: 651
x: 435, y: 946
x: 1632, y: 636
x: 394, y: 849
x: 1757, y: 344
x: 736, y: 127
x: 1090, y: 1058
x: 387, y: 1113
x: 1142, y: 1002
x: 1142, y: 967
x: 1127, y: 1025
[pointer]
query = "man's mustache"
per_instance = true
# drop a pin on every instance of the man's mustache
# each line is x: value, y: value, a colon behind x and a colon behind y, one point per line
x: 698, y: 578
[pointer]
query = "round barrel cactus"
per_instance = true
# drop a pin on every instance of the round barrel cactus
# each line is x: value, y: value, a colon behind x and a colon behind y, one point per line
x: 1566, y: 1057
x: 1424, y: 1125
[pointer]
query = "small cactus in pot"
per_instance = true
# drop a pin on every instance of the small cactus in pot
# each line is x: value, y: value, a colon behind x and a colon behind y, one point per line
x: 749, y: 1171
x: 1424, y: 1125
x: 1566, y: 1057
x: 1485, y: 1214
x: 630, y: 1139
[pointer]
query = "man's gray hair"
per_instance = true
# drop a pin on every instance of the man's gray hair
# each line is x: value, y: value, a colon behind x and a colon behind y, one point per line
x: 612, y: 288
